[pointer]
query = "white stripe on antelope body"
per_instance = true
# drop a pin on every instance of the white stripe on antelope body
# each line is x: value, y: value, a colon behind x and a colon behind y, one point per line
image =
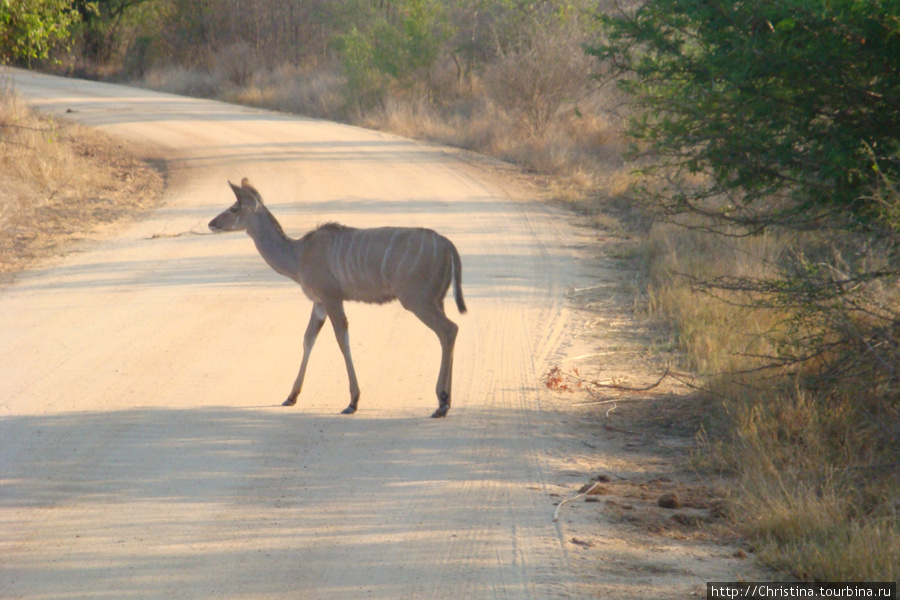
x: 334, y: 263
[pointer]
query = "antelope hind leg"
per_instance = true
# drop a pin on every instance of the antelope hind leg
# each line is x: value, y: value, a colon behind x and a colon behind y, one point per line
x: 443, y: 391
x: 446, y: 331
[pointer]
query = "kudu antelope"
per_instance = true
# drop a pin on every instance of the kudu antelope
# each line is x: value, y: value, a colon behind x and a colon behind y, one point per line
x: 334, y: 263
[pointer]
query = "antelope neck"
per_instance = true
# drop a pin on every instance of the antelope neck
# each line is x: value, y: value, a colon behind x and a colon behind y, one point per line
x: 273, y: 244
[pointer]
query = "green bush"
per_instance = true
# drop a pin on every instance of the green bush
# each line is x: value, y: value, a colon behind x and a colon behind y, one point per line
x: 396, y: 49
x: 783, y: 105
x: 29, y: 29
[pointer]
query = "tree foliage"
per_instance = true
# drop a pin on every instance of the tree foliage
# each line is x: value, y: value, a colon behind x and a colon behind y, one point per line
x: 399, y: 45
x: 784, y: 107
x: 101, y: 22
x: 30, y: 28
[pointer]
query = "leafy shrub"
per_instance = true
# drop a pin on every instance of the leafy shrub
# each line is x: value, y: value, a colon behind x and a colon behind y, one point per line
x: 395, y: 49
x: 782, y: 107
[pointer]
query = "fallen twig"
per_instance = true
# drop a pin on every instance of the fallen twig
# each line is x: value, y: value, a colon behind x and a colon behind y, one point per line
x: 573, y: 499
x: 625, y: 388
x: 594, y: 355
x: 157, y: 236
x: 557, y: 379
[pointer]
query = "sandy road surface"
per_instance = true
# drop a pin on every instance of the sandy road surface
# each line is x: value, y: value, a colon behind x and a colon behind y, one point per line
x: 144, y: 450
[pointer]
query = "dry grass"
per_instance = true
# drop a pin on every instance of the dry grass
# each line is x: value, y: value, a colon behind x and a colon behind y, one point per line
x: 812, y: 480
x: 287, y: 88
x: 717, y: 336
x: 808, y: 518
x: 183, y: 81
x: 61, y: 183
x: 577, y: 156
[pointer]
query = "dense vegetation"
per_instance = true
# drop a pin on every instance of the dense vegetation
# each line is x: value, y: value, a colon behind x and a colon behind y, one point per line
x: 771, y: 133
x: 764, y: 144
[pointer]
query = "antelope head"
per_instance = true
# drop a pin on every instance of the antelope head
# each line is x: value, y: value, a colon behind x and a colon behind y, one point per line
x: 236, y: 216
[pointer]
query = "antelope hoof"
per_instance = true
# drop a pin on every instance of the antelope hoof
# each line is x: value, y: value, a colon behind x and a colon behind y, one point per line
x: 349, y: 410
x: 289, y: 402
x: 441, y: 412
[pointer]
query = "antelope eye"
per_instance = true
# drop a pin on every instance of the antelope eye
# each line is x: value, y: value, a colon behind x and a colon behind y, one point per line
x: 234, y: 209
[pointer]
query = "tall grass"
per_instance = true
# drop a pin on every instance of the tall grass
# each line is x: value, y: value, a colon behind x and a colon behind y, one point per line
x: 813, y: 477
x: 718, y: 332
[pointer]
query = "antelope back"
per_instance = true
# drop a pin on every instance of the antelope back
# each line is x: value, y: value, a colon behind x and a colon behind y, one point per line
x: 380, y: 264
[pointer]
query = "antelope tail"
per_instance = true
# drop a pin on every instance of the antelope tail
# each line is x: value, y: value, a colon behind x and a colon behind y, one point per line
x: 457, y: 280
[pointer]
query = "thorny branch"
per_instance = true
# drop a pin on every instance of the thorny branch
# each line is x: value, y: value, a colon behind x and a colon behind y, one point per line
x: 558, y: 380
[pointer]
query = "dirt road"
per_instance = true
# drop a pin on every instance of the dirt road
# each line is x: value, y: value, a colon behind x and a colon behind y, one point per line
x: 144, y: 450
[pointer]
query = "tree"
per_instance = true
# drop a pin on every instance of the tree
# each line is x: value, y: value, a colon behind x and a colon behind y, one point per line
x: 780, y: 115
x: 548, y: 68
x: 30, y: 28
x: 783, y: 105
x: 102, y: 20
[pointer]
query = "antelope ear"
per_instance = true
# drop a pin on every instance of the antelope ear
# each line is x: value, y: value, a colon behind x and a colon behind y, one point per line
x: 247, y: 194
x: 245, y: 183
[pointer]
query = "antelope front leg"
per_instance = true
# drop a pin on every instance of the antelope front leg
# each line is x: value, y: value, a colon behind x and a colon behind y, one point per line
x: 316, y: 320
x: 339, y: 322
